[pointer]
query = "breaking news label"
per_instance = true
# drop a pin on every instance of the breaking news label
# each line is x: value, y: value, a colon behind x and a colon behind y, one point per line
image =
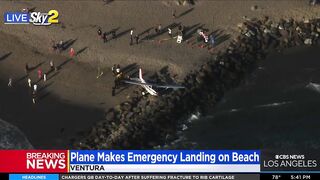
x: 154, y: 164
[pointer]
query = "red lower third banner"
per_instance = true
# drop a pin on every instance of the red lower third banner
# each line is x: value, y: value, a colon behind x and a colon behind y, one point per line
x: 34, y: 161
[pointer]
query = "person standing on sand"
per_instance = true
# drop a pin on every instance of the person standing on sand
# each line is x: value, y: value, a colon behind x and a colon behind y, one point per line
x: 39, y: 74
x: 105, y: 37
x: 34, y: 93
x: 72, y: 53
x: 60, y: 46
x: 29, y: 82
x: 51, y: 65
x: 131, y: 37
x: 99, y: 32
x: 34, y: 97
x: 26, y: 69
x: 174, y: 14
x: 114, y: 35
x: 170, y: 32
x: 113, y: 69
x: 10, y: 82
x: 159, y: 28
x: 137, y: 39
x: 44, y: 77
x: 212, y: 40
x: 35, y: 88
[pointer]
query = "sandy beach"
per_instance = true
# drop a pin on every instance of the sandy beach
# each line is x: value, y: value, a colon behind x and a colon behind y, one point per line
x: 73, y: 99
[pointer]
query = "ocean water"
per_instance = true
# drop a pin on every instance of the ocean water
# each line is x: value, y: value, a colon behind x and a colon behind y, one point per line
x: 12, y: 138
x: 277, y: 108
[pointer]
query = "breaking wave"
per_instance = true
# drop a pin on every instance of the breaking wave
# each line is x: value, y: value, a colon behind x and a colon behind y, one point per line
x: 314, y: 87
x: 274, y: 104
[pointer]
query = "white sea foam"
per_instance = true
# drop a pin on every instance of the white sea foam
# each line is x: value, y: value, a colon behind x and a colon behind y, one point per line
x: 193, y: 117
x: 274, y: 104
x: 234, y: 110
x: 314, y: 87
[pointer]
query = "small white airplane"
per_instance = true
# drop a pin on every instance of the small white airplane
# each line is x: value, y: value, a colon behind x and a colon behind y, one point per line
x: 148, y: 86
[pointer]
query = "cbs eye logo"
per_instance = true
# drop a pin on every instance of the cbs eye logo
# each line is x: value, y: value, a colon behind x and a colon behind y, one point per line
x: 44, y: 19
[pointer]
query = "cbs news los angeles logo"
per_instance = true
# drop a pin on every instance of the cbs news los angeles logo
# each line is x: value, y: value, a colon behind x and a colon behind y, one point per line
x: 36, y: 18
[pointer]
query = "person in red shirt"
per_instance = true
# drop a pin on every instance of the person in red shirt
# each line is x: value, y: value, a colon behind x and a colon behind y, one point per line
x: 39, y: 73
x: 72, y: 53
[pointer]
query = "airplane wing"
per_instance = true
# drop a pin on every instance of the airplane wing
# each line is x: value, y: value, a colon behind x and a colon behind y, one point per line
x: 154, y: 85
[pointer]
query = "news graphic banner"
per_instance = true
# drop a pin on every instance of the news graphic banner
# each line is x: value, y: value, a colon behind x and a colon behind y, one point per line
x: 34, y: 161
x: 164, y: 161
x: 35, y: 18
x: 140, y: 161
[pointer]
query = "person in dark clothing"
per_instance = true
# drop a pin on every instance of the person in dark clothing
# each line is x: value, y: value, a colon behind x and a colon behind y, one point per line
x: 34, y: 97
x: 26, y: 69
x: 174, y: 14
x: 118, y: 76
x: 158, y: 29
x: 60, y: 46
x: 137, y: 39
x: 53, y: 45
x: 113, y: 69
x: 99, y: 32
x: 114, y: 35
x: 104, y: 36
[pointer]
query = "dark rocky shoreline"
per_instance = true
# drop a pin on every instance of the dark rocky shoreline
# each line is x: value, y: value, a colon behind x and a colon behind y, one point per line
x: 144, y: 122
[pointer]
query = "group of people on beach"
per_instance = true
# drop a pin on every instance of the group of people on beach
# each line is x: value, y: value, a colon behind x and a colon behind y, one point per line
x: 42, y: 76
x: 104, y: 36
x: 158, y: 30
x: 34, y: 85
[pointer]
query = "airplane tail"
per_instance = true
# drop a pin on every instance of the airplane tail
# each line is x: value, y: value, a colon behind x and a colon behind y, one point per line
x: 140, y: 74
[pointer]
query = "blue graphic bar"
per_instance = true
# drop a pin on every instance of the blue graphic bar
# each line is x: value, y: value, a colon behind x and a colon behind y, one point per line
x: 164, y: 157
x: 16, y: 18
x: 33, y: 177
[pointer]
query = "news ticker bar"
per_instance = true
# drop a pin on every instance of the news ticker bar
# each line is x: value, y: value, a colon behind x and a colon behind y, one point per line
x: 136, y: 176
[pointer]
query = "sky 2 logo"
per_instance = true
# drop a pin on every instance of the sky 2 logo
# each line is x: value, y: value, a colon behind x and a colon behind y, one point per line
x: 44, y: 19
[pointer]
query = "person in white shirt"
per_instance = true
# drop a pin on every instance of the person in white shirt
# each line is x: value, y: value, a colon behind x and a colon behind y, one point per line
x: 131, y: 37
x: 44, y: 77
x: 29, y: 82
x: 170, y: 32
x: 35, y: 88
x: 10, y: 82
